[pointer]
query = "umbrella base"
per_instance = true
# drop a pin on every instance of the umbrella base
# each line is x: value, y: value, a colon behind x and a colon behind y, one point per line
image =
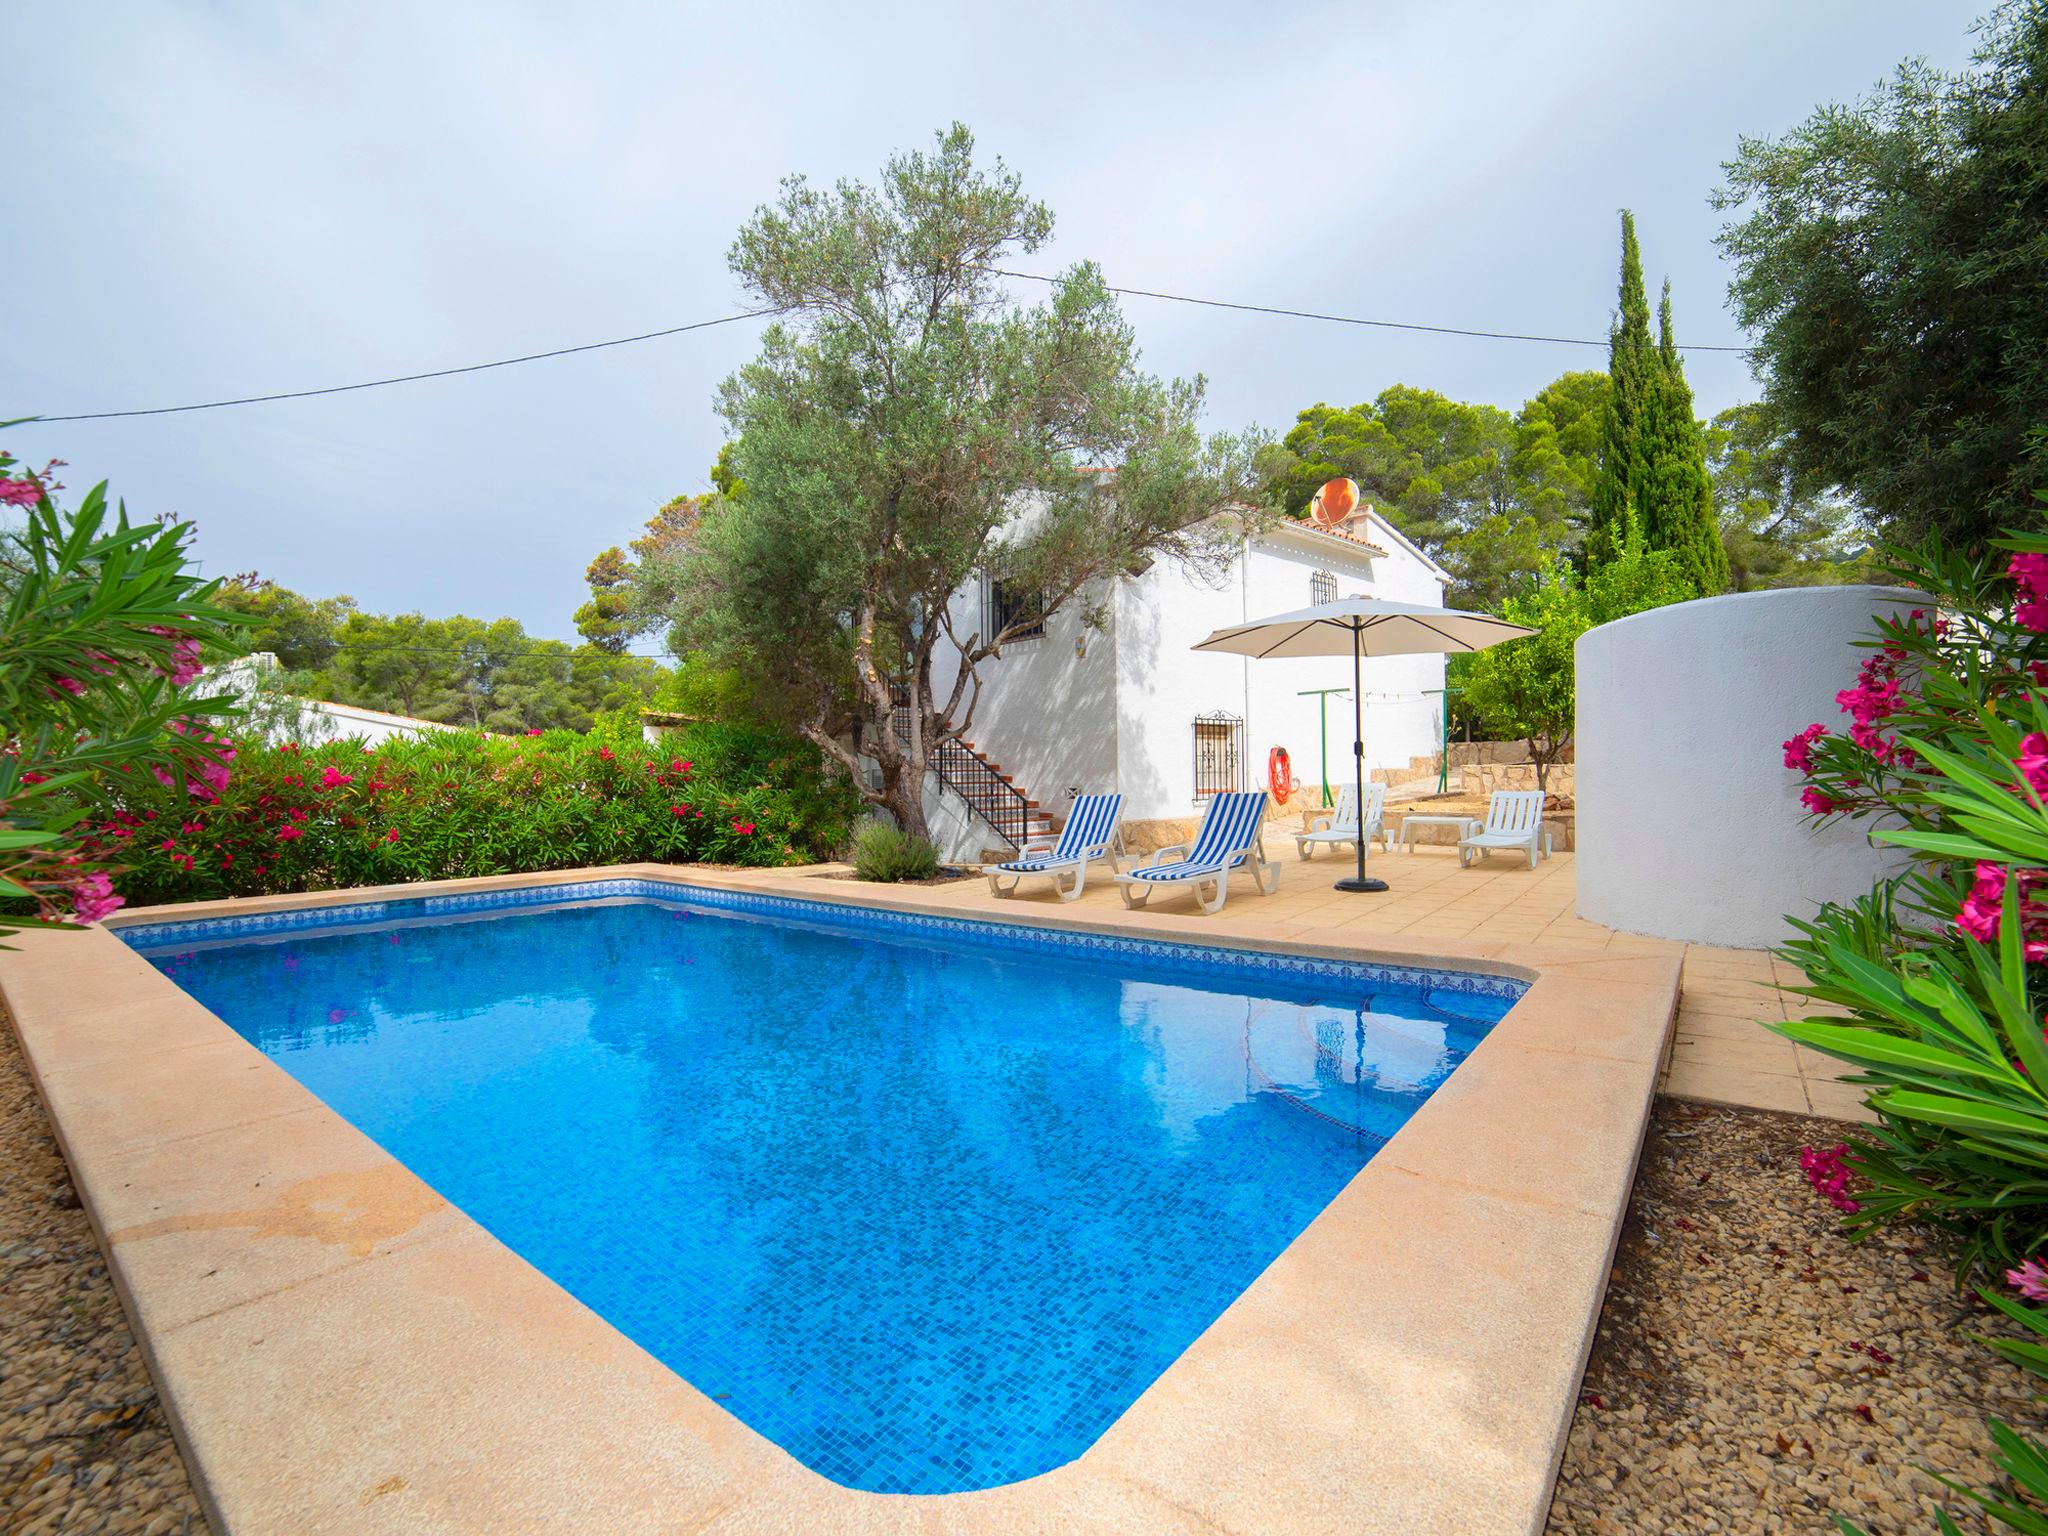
x: 1361, y: 885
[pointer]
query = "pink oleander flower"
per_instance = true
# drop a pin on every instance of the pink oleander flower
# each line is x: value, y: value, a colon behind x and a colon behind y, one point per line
x: 2033, y: 762
x: 679, y: 810
x: 70, y: 685
x: 185, y: 663
x: 533, y: 733
x: 2029, y: 574
x: 287, y: 832
x: 1830, y: 1171
x: 93, y: 898
x: 744, y: 828
x: 604, y: 754
x: 1817, y: 802
x: 1799, y: 750
x: 391, y: 836
x: 20, y: 493
x: 2030, y: 1279
x: 334, y: 778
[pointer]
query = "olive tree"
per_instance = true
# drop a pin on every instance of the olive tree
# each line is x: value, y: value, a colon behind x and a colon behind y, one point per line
x: 909, y: 424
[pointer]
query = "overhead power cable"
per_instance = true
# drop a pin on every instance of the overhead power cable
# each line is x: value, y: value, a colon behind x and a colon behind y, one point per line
x: 1387, y: 325
x: 411, y: 378
x: 755, y: 314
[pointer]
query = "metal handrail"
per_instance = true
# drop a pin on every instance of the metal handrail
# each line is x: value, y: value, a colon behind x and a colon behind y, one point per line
x: 991, y: 797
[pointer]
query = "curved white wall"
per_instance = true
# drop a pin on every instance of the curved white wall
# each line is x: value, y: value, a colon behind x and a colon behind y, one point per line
x: 1689, y: 824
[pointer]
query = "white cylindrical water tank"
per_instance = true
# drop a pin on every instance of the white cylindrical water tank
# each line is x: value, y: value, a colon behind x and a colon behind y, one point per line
x: 1689, y: 824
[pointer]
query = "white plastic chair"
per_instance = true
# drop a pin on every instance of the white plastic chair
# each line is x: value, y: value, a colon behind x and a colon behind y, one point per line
x: 1090, y: 834
x: 1514, y: 820
x: 1339, y: 825
x: 1231, y: 837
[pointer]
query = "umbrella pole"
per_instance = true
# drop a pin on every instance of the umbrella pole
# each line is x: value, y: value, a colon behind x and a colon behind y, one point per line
x: 1359, y: 882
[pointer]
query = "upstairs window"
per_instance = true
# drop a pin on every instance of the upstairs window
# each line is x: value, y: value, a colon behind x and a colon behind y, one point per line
x: 1007, y: 603
x: 1322, y: 588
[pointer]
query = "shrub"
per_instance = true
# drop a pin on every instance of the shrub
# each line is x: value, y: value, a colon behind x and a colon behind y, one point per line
x: 883, y: 852
x: 1937, y: 977
x: 102, y: 629
x: 456, y: 803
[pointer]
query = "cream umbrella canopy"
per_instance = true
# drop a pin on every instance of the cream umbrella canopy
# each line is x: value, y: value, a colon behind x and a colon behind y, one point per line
x: 1359, y: 627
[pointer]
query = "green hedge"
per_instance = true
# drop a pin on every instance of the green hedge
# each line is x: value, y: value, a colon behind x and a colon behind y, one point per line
x: 461, y: 804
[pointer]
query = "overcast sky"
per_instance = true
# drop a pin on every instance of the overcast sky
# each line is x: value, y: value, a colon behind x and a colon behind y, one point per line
x: 220, y: 200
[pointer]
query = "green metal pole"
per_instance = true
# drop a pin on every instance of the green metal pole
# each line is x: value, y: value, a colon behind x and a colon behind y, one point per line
x: 1443, y: 772
x: 1322, y: 698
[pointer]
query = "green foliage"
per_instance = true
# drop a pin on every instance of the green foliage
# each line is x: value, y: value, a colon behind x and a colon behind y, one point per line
x: 457, y: 803
x: 1527, y: 688
x: 104, y: 625
x: 1779, y: 526
x: 1490, y: 496
x: 1632, y: 365
x: 885, y: 853
x: 1888, y: 264
x: 490, y: 676
x: 1652, y: 490
x: 888, y: 436
x: 1942, y: 994
x: 1932, y: 984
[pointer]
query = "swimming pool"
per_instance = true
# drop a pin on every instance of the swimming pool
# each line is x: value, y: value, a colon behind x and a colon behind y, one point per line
x: 927, y: 1202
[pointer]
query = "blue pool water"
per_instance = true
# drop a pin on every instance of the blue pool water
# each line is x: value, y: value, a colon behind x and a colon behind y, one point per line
x: 926, y: 1203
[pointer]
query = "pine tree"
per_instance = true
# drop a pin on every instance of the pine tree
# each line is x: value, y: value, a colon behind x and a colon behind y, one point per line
x: 1615, y: 523
x: 1674, y: 498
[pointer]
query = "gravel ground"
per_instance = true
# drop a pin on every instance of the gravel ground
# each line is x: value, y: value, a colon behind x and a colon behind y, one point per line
x: 1755, y: 1372
x: 83, y: 1442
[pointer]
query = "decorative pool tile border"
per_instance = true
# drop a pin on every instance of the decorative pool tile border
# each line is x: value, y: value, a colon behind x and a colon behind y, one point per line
x: 1215, y: 960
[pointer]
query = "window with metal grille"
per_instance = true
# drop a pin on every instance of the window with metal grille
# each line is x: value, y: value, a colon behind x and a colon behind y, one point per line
x: 1010, y: 603
x: 1322, y: 588
x: 1219, y: 754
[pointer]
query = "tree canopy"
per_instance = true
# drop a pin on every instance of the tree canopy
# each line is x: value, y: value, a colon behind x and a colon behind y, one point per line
x: 1780, y: 525
x: 1489, y: 495
x: 1889, y: 260
x: 490, y: 674
x: 1652, y: 490
x: 1527, y: 688
x: 909, y: 424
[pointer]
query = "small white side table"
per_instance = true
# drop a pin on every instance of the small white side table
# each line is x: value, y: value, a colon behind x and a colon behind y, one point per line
x: 1466, y: 826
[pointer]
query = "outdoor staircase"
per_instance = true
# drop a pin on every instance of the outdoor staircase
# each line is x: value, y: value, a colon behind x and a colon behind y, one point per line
x: 989, y: 792
x: 994, y: 796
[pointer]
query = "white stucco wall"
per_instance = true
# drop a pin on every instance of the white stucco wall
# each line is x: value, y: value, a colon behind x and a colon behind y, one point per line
x: 1118, y: 709
x: 1047, y: 711
x: 1163, y: 683
x: 1689, y: 825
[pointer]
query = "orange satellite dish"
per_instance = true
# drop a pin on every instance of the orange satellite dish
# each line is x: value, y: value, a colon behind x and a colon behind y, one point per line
x: 1337, y: 500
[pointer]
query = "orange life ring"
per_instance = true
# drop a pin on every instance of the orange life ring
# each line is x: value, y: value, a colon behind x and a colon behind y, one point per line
x: 1279, y: 775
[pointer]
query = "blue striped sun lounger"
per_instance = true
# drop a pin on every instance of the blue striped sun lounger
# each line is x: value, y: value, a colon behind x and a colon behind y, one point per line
x: 1229, y: 838
x: 1090, y: 834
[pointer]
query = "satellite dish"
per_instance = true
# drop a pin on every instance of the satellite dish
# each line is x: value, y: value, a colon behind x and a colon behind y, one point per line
x: 1337, y: 500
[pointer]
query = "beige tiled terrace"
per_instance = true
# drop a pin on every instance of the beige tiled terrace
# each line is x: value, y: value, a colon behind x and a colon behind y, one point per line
x: 1718, y: 1053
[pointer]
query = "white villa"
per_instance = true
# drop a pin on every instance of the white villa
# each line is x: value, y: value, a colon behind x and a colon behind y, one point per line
x: 1132, y: 707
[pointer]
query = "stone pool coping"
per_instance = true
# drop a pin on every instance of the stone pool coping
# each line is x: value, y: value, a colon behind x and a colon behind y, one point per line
x: 339, y: 1349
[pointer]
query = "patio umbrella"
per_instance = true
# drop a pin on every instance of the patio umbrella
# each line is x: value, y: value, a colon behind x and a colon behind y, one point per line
x: 1359, y: 627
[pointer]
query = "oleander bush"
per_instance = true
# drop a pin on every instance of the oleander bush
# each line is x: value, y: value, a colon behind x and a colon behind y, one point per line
x: 457, y: 803
x: 1935, y: 982
x: 104, y: 629
x: 883, y: 852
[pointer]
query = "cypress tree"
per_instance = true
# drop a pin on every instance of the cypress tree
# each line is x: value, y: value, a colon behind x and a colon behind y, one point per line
x: 1675, y: 498
x: 1615, y: 525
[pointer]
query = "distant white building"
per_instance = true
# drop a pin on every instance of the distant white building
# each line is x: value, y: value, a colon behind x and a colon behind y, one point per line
x: 288, y: 717
x: 1132, y: 707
